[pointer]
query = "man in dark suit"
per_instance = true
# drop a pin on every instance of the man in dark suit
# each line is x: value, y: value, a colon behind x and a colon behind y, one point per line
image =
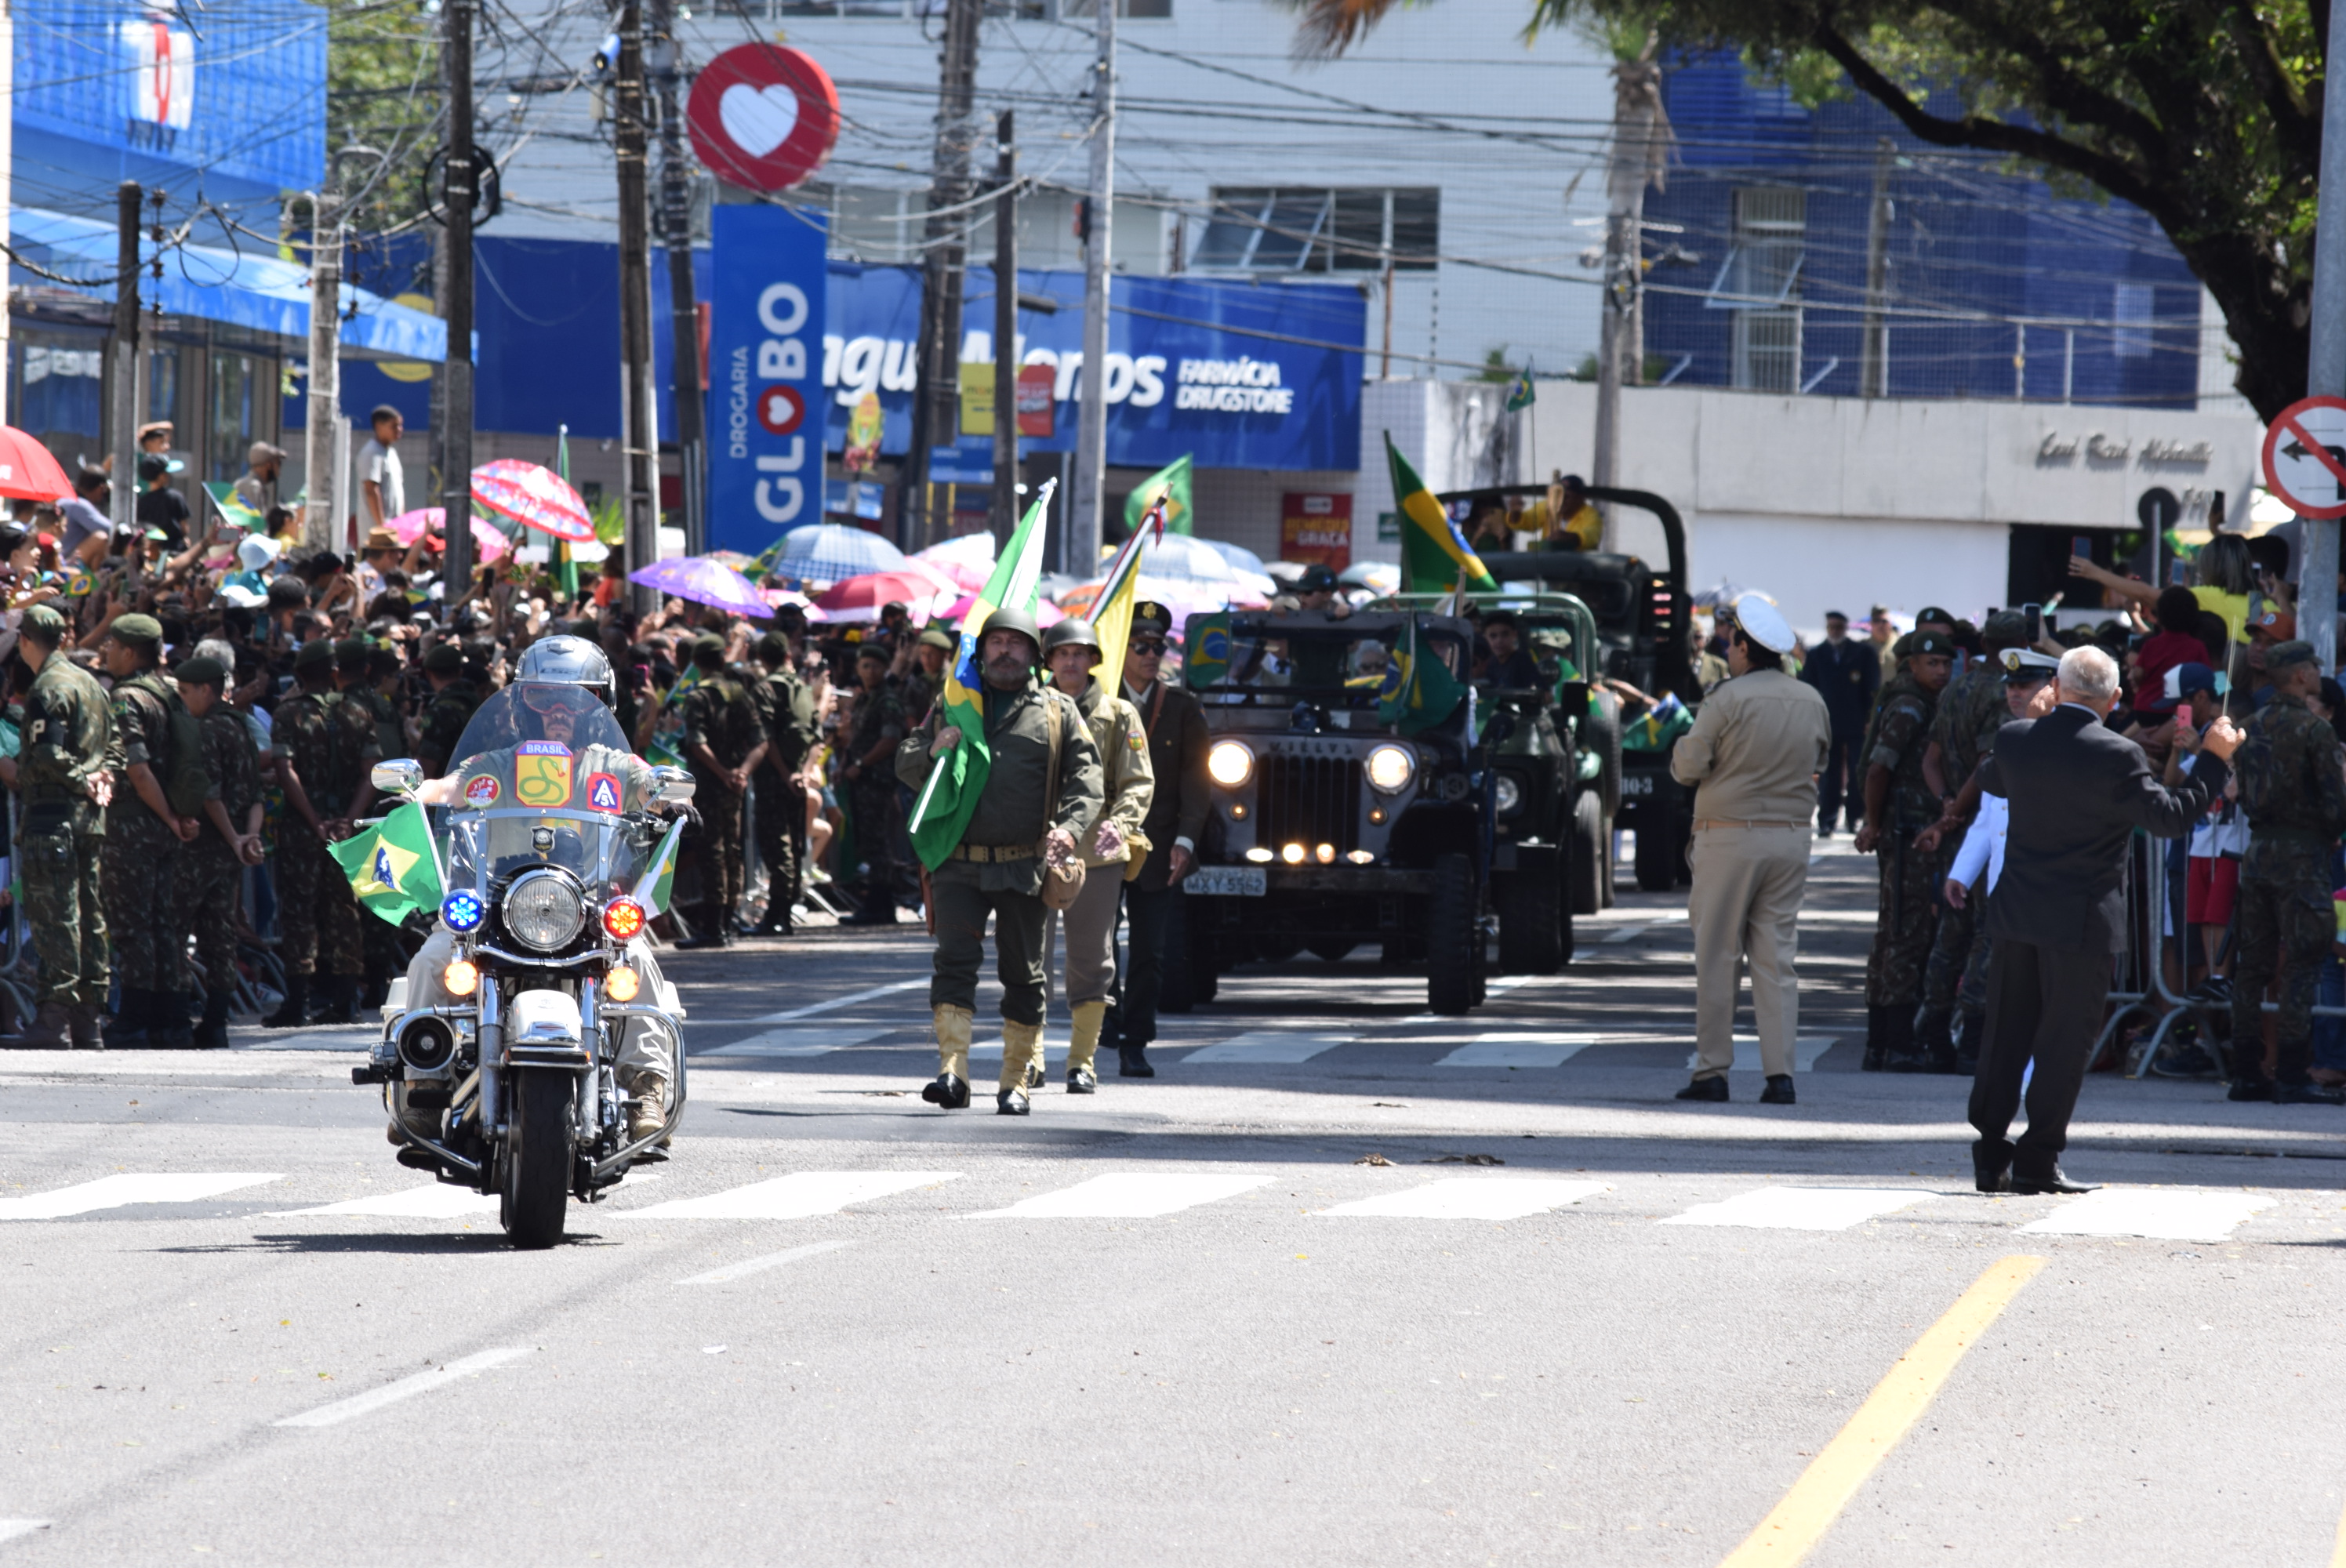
x: 1846, y: 675
x: 2077, y: 790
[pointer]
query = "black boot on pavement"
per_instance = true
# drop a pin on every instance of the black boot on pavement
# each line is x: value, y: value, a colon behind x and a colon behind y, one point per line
x: 1900, y: 1052
x: 166, y: 1025
x: 1711, y: 1089
x: 1877, y: 1039
x: 211, y: 1033
x: 1132, y: 1062
x: 2050, y: 1181
x: 948, y: 1092
x: 1779, y: 1091
x: 2250, y: 1089
x: 338, y: 1000
x: 1011, y: 1102
x: 128, y: 1031
x: 1934, y: 1039
x: 1991, y: 1165
x: 294, y: 1010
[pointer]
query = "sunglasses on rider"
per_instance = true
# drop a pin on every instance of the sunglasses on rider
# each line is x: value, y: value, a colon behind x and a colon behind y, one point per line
x: 556, y: 699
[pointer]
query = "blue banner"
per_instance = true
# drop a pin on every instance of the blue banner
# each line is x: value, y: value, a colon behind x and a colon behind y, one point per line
x: 765, y: 373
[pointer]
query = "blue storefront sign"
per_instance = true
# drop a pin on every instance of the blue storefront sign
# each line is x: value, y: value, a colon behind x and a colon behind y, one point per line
x: 765, y: 370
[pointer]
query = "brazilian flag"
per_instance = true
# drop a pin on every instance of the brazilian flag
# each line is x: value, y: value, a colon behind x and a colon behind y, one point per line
x: 1434, y: 556
x: 1419, y: 691
x: 1206, y: 660
x: 392, y: 865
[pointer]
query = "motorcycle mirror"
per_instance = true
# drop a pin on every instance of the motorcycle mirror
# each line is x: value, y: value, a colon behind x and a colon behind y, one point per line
x: 397, y: 776
x: 671, y: 786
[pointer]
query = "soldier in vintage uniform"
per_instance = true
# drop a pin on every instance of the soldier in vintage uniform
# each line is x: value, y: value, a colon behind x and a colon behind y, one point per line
x: 64, y: 785
x: 2293, y: 788
x: 157, y: 758
x: 722, y: 741
x: 925, y: 682
x: 879, y: 724
x: 785, y: 705
x: 211, y: 873
x: 453, y: 698
x: 1899, y: 805
x: 326, y: 750
x: 1963, y: 731
x: 1022, y: 815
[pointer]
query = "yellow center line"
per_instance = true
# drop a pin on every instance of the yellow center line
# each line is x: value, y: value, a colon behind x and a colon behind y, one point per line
x: 1797, y: 1524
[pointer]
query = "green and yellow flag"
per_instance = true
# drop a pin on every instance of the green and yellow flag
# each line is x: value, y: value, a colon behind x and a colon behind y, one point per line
x: 658, y: 884
x: 233, y: 510
x: 1170, y: 486
x: 1434, y: 558
x: 390, y: 865
x: 1112, y: 611
x: 949, y: 799
x: 1419, y: 691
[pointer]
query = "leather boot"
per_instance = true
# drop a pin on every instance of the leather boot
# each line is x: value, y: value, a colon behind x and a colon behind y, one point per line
x: 1877, y: 1039
x: 1934, y: 1039
x: 649, y: 1090
x: 338, y: 999
x: 953, y: 1026
x: 88, y: 1021
x: 1968, y: 1042
x: 51, y: 1029
x: 375, y: 992
x: 128, y: 1030
x: 1082, y: 1045
x: 211, y: 1033
x: 167, y: 1021
x: 1901, y: 1054
x: 1132, y: 1062
x: 1022, y: 1056
x: 294, y: 1012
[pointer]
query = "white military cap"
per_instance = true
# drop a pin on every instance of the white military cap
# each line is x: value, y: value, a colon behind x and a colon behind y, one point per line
x: 1763, y: 623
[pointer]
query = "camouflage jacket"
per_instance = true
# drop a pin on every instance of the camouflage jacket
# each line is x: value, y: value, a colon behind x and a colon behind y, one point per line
x: 785, y: 706
x: 234, y: 764
x: 718, y: 714
x: 68, y: 732
x: 444, y: 717
x: 330, y: 745
x: 1970, y: 712
x: 142, y: 708
x: 879, y: 715
x: 2292, y: 775
x: 1900, y: 732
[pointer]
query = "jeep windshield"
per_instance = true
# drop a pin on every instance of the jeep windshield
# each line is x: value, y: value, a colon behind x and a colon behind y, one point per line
x: 1273, y: 660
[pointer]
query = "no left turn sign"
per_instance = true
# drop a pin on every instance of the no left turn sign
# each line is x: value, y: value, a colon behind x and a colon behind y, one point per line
x: 2305, y: 456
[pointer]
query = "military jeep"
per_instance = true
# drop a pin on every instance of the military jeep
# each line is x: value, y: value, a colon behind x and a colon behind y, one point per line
x: 1332, y: 828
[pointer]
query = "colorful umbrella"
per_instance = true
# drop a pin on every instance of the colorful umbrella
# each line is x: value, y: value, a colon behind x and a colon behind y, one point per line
x: 873, y: 589
x: 1180, y: 555
x: 533, y: 496
x: 829, y: 552
x: 28, y: 472
x: 487, y: 539
x: 1046, y: 613
x: 705, y: 582
x: 966, y: 558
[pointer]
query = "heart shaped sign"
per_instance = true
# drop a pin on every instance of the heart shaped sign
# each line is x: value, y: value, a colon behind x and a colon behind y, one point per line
x: 757, y: 119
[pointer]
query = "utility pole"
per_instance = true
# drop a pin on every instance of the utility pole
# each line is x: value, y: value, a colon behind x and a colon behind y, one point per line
x: 1005, y: 329
x: 128, y: 200
x: 8, y: 166
x: 458, y: 194
x: 665, y: 62
x: 1081, y: 551
x: 936, y: 395
x: 1639, y: 155
x: 318, y: 516
x: 639, y: 410
x: 1874, y: 378
x: 2325, y: 370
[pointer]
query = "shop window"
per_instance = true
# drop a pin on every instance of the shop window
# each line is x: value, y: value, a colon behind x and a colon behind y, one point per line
x: 2134, y: 309
x: 1311, y: 229
x: 1760, y: 283
x: 242, y: 387
x: 61, y: 392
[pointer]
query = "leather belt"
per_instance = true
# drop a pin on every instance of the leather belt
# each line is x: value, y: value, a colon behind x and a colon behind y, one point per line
x: 994, y: 854
x: 1702, y: 822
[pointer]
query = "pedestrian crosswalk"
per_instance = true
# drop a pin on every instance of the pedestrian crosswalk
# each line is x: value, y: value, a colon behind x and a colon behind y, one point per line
x: 2183, y: 1214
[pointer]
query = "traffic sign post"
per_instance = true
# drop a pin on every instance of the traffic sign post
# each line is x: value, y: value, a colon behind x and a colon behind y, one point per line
x: 2305, y: 456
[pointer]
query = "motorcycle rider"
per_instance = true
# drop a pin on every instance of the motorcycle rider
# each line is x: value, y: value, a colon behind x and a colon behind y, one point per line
x: 558, y: 681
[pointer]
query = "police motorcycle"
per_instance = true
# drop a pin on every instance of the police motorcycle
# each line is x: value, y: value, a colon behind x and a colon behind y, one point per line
x: 534, y: 1053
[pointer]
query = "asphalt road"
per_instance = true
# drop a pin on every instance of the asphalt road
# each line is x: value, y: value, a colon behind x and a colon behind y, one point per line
x: 1344, y: 1284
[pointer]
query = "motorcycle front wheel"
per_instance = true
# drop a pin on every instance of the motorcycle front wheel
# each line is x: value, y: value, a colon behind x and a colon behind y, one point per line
x: 538, y: 1158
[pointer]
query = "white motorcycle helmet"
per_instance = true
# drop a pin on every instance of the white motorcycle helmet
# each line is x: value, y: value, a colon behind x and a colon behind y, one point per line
x: 568, y: 661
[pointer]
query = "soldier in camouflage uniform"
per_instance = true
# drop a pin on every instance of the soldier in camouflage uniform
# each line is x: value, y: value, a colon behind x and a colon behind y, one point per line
x: 326, y: 750
x: 453, y: 699
x: 722, y: 742
x: 360, y: 671
x: 211, y: 872
x: 2293, y: 787
x: 785, y: 705
x: 1963, y: 731
x: 64, y: 786
x: 1898, y: 804
x: 149, y: 823
x: 873, y: 795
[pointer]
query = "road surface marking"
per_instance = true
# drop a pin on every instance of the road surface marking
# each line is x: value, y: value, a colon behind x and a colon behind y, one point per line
x: 815, y: 1042
x: 1130, y: 1194
x: 1632, y: 933
x: 802, y: 1195
x: 1473, y: 1197
x: 341, y: 1410
x: 2168, y: 1214
x: 343, y: 1040
x: 1803, y: 1208
x: 1806, y: 1049
x: 1796, y: 1524
x: 749, y: 1265
x: 1519, y: 1050
x: 120, y: 1191
x: 813, y: 1008
x: 1268, y: 1045
x: 439, y: 1200
x: 12, y: 1528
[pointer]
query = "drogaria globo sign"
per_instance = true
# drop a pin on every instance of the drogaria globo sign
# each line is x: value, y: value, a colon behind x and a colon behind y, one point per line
x: 765, y: 370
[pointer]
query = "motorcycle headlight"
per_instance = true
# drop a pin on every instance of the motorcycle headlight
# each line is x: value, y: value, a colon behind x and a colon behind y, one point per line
x: 544, y: 910
x: 1391, y: 767
x: 1507, y: 794
x: 1229, y: 763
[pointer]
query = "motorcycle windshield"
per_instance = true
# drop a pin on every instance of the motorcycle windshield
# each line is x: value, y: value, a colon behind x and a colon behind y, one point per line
x: 546, y: 779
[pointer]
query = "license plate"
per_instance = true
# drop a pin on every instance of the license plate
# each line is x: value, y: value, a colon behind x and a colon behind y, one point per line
x: 1637, y: 784
x: 1225, y: 881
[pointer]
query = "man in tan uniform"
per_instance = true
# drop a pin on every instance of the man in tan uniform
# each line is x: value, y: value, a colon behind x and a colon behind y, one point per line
x: 1753, y: 754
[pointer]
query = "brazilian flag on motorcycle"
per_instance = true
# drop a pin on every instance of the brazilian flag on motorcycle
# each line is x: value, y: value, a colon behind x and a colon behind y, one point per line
x: 392, y: 865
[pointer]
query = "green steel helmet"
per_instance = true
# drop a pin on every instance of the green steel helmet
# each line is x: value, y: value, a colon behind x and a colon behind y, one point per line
x: 1020, y: 621
x: 567, y: 661
x: 1075, y: 629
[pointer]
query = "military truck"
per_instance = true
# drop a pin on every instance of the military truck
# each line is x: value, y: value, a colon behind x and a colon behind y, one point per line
x: 1643, y: 615
x: 1342, y: 816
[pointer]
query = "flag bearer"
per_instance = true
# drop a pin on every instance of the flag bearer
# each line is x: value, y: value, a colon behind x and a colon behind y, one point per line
x: 1022, y: 815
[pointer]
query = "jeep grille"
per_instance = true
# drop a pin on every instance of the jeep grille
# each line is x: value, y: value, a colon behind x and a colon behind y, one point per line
x: 1309, y: 800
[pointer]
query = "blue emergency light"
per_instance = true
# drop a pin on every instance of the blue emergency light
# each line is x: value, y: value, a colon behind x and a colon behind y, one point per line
x: 462, y: 911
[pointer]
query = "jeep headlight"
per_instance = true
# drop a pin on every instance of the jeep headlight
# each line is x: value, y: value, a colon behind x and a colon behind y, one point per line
x: 1506, y: 794
x: 1229, y: 763
x: 543, y: 910
x: 1390, y: 768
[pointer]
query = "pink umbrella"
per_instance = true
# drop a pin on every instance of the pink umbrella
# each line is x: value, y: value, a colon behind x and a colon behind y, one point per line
x: 1046, y: 613
x: 408, y: 526
x: 533, y: 496
x: 873, y: 589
